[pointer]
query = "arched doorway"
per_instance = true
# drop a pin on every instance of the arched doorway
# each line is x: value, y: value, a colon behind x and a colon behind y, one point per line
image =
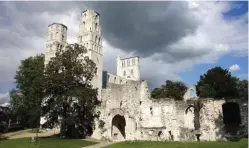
x: 231, y: 117
x: 118, y: 127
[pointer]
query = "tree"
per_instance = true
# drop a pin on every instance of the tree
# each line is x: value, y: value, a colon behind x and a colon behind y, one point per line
x: 70, y: 99
x: 157, y: 93
x: 242, y: 88
x: 25, y: 100
x: 5, y: 115
x: 217, y: 83
x: 196, y: 106
x: 172, y: 89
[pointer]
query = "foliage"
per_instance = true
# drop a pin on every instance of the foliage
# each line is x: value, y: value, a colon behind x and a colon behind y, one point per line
x: 70, y: 98
x: 5, y: 115
x: 242, y: 87
x: 101, y: 124
x: 172, y: 89
x: 26, y: 99
x: 217, y: 83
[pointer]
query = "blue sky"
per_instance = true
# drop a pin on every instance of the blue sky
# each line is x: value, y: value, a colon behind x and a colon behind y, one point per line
x: 191, y: 77
x: 243, y: 8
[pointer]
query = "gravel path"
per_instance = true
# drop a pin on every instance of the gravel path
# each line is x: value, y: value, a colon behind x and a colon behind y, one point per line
x: 100, y: 144
x: 28, y: 134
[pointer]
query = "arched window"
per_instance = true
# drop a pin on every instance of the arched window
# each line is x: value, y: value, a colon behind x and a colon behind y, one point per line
x: 128, y: 62
x: 96, y: 39
x: 108, y: 78
x: 99, y: 40
x: 133, y: 62
x: 124, y: 73
x: 62, y: 37
x: 123, y: 63
x: 132, y: 72
x: 96, y: 26
x: 57, y: 35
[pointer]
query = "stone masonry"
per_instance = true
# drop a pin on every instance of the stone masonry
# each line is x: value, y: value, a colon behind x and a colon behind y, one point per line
x: 143, y: 118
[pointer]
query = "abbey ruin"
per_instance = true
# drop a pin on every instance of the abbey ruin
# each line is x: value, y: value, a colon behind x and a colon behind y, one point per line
x: 127, y: 112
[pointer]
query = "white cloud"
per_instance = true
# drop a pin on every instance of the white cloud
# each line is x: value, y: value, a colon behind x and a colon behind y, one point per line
x: 5, y: 104
x: 234, y: 67
x: 4, y: 98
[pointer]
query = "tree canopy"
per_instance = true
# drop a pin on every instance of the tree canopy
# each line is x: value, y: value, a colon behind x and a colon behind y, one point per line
x: 70, y: 98
x: 171, y: 89
x: 217, y: 83
x: 25, y: 100
x: 242, y: 87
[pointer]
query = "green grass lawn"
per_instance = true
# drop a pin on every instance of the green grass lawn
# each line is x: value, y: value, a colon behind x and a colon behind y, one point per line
x: 45, y: 143
x: 156, y: 144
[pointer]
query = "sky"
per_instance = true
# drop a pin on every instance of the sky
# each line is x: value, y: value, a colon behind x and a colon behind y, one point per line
x: 175, y: 40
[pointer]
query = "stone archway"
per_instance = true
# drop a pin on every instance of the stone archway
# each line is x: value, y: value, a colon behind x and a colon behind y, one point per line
x: 118, y: 127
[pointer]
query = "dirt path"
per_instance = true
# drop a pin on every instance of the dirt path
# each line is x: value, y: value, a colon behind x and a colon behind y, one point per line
x: 27, y: 133
x: 100, y: 144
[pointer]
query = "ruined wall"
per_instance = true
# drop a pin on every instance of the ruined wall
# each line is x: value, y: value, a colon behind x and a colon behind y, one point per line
x: 111, y: 78
x: 163, y: 119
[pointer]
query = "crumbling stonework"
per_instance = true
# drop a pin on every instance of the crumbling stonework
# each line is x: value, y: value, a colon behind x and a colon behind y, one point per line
x: 163, y: 119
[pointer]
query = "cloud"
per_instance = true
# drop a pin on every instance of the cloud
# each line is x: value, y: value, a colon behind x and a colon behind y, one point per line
x: 169, y: 37
x: 4, y: 98
x: 146, y: 28
x: 234, y: 67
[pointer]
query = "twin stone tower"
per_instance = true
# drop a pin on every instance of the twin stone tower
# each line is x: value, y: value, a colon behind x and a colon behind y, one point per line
x: 89, y: 36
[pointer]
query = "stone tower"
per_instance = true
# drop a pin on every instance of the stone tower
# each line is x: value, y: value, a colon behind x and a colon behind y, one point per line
x: 56, y: 38
x: 128, y: 68
x: 90, y: 36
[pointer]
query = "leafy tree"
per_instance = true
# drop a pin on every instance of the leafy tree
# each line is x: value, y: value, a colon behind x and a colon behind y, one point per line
x: 196, y: 106
x: 242, y: 88
x: 217, y: 83
x: 172, y: 89
x: 157, y: 93
x: 5, y: 115
x: 70, y: 98
x: 25, y: 100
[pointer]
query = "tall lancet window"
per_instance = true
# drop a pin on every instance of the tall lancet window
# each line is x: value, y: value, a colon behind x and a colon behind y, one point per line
x: 96, y: 26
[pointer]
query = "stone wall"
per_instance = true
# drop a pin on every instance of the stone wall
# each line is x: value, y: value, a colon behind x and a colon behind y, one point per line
x: 111, y: 78
x: 163, y: 119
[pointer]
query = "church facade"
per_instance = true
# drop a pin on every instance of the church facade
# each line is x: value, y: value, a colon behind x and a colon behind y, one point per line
x: 127, y: 112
